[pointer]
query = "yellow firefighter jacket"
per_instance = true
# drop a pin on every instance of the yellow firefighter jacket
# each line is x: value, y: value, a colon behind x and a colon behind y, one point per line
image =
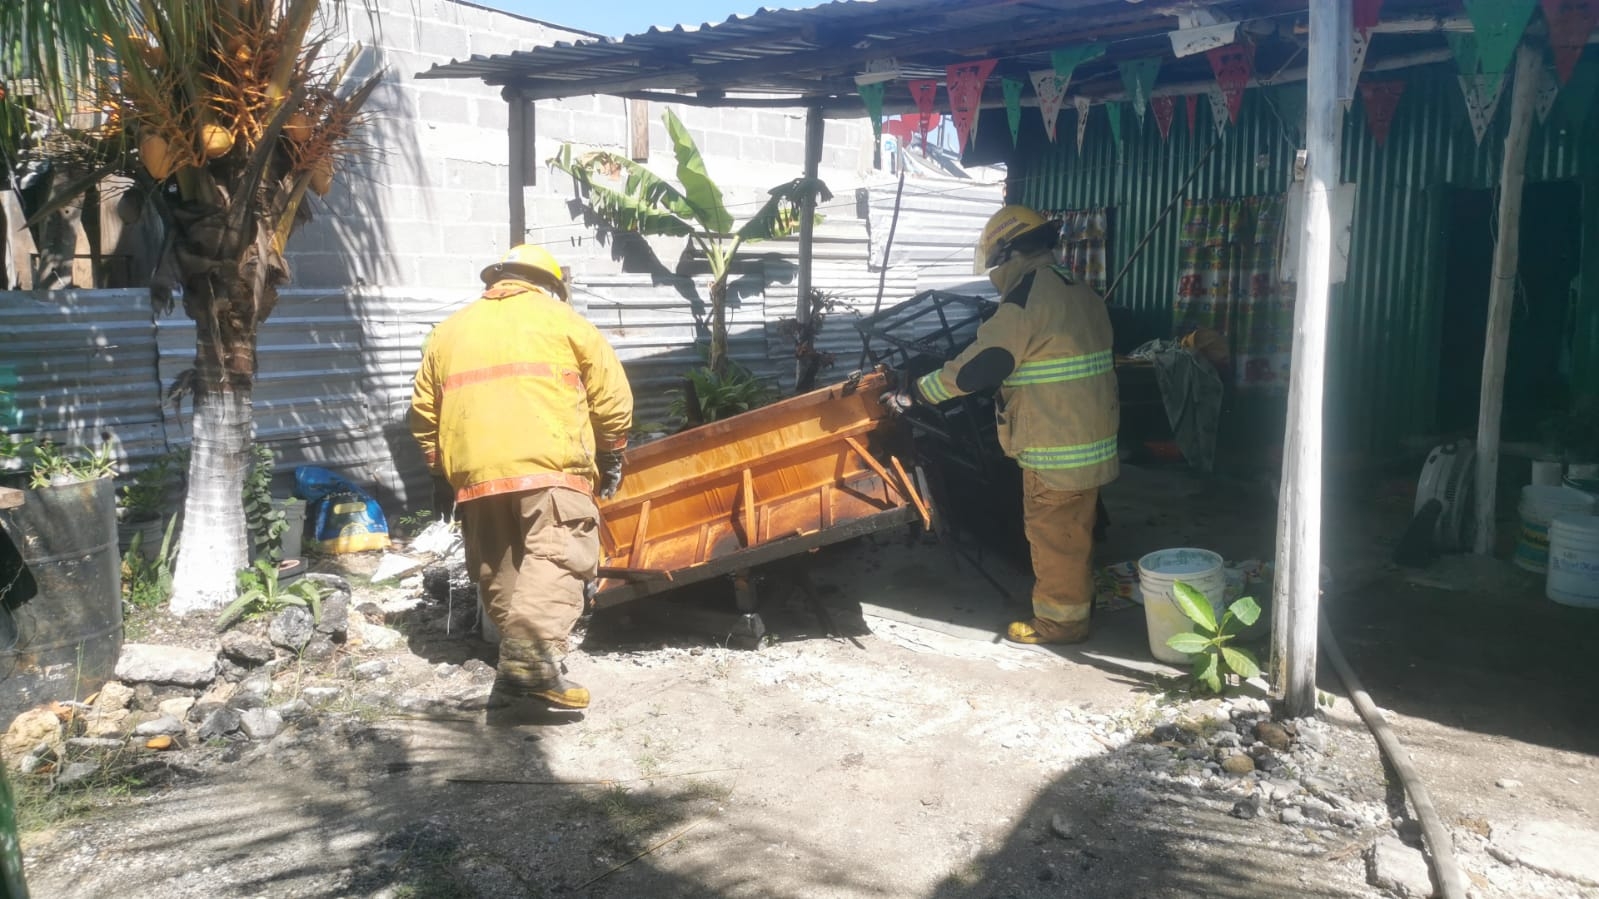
x: 515, y: 392
x: 1048, y: 351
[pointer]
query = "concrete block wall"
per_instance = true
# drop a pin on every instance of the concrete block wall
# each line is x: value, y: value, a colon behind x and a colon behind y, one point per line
x: 426, y: 206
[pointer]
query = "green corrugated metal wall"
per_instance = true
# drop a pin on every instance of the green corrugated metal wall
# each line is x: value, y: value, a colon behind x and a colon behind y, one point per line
x: 1386, y: 319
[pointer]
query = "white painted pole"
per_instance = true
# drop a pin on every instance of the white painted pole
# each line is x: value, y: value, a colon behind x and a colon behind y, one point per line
x: 1296, y: 595
x: 1502, y: 293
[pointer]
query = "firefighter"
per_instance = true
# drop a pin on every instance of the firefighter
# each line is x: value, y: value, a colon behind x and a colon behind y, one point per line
x: 1047, y: 352
x: 523, y: 407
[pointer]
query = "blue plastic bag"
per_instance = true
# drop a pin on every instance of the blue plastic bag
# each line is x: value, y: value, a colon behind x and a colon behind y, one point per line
x: 347, y: 519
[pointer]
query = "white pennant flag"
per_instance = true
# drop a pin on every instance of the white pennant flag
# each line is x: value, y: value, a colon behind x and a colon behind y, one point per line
x: 1548, y: 90
x: 1482, y: 101
x: 1218, y: 106
x: 1358, y: 43
x: 1051, y: 90
x: 1082, y: 120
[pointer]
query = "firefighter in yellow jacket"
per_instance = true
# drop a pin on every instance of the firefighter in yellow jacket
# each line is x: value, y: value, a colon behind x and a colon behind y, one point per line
x: 1047, y: 351
x: 524, y: 408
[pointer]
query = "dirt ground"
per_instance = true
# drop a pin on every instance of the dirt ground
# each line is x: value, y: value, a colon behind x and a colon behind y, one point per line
x: 885, y: 744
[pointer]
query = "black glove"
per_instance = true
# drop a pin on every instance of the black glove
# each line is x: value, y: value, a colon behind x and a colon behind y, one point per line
x: 898, y: 401
x: 610, y: 465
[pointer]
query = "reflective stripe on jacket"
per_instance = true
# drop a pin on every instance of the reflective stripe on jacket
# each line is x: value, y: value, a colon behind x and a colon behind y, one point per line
x: 1047, y: 350
x: 515, y: 393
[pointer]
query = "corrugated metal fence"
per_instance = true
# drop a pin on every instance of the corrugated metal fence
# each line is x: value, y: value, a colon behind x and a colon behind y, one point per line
x: 335, y: 366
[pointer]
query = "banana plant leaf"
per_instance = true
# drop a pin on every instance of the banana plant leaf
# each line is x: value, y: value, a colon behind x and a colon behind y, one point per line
x: 646, y: 203
x: 779, y: 217
x: 703, y: 196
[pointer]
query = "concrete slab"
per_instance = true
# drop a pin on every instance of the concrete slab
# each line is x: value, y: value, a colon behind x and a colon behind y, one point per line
x: 1555, y: 848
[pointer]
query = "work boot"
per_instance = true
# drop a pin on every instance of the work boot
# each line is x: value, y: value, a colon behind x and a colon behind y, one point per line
x: 1042, y: 630
x: 530, y: 668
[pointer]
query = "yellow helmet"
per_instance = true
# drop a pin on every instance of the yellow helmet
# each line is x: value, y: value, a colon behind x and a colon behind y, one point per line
x: 1003, y: 227
x: 528, y: 261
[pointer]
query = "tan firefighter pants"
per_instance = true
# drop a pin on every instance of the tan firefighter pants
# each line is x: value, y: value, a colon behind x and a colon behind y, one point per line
x: 531, y: 553
x: 1060, y: 530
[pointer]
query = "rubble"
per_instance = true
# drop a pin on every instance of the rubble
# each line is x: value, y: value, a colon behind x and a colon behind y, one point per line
x: 29, y: 730
x: 158, y: 664
x: 1393, y: 866
x: 246, y: 650
x: 1551, y: 847
x: 292, y: 628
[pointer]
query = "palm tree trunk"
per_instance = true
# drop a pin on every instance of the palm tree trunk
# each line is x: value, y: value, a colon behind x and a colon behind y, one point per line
x: 224, y: 304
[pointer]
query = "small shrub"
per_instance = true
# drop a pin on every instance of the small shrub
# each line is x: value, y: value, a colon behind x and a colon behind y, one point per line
x: 260, y: 594
x: 1208, y: 645
x: 716, y: 398
x: 265, y: 521
x: 147, y: 583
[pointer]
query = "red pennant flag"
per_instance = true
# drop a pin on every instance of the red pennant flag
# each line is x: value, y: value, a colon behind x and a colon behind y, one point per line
x: 1165, y: 110
x: 964, y: 82
x: 1365, y: 15
x: 1380, y: 98
x: 925, y: 93
x: 1233, y: 65
x: 1570, y: 23
x: 1192, y: 102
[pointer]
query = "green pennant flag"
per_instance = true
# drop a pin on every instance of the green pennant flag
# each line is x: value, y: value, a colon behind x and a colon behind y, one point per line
x: 1138, y: 77
x: 1013, y: 107
x: 1066, y: 60
x: 1289, y: 100
x: 1113, y: 108
x: 1498, y: 25
x: 872, y: 97
x: 1463, y: 44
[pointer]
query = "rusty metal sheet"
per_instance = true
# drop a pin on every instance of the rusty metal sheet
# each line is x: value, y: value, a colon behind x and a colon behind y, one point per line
x: 779, y: 480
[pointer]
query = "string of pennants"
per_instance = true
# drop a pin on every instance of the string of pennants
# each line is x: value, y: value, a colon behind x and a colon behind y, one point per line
x: 1483, y: 56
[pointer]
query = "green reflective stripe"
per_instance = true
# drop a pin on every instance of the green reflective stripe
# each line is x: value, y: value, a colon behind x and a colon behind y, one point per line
x: 1064, y: 368
x: 1061, y: 457
x: 933, y: 389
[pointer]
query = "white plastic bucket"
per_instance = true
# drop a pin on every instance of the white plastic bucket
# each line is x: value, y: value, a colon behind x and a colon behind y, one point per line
x: 1539, y: 506
x: 1158, y: 572
x: 1574, y: 560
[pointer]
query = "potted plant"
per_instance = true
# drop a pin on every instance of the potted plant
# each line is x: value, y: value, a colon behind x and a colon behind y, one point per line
x: 65, y: 532
x: 143, y: 503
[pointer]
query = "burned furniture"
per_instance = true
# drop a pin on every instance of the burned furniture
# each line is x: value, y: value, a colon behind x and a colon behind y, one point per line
x: 774, y: 482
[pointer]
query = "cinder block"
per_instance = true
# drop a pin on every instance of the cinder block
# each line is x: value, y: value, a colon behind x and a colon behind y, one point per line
x: 491, y: 114
x: 443, y: 109
x: 325, y: 270
x: 463, y: 175
x: 448, y: 41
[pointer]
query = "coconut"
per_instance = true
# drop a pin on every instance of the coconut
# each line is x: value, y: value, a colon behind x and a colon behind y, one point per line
x: 157, y: 156
x: 322, y: 176
x: 298, y: 128
x: 217, y: 140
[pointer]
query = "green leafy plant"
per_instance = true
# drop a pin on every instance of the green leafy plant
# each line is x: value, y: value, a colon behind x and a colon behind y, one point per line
x: 1207, y: 645
x: 414, y: 523
x: 264, y: 519
x: 144, y: 498
x: 147, y: 583
x: 710, y: 397
x: 261, y: 594
x: 54, y: 465
x: 648, y: 204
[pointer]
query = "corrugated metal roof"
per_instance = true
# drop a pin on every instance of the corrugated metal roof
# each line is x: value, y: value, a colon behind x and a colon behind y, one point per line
x: 816, y: 52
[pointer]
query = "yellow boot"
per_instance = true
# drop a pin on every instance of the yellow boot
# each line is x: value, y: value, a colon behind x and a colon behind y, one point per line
x: 1042, y: 630
x: 529, y: 668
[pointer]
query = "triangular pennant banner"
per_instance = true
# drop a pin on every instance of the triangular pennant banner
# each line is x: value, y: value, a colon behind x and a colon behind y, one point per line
x: 1165, y: 109
x: 1192, y: 102
x: 1218, y: 107
x: 1548, y: 90
x: 1233, y: 65
x: 1113, y: 108
x: 872, y: 98
x: 1380, y: 98
x: 1066, y: 60
x: 1498, y: 25
x: 1289, y: 98
x: 925, y: 93
x: 1082, y: 120
x: 1013, y: 107
x: 1570, y: 23
x: 1577, y: 96
x: 1358, y: 44
x: 1482, y: 101
x: 1463, y: 44
x: 1051, y: 89
x: 1138, y: 77
x: 1366, y: 14
x: 964, y: 82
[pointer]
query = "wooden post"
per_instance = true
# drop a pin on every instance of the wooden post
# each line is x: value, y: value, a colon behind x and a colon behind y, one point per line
x: 1502, y: 293
x: 1296, y: 594
x: 638, y: 130
x: 519, y: 133
x: 814, y: 124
